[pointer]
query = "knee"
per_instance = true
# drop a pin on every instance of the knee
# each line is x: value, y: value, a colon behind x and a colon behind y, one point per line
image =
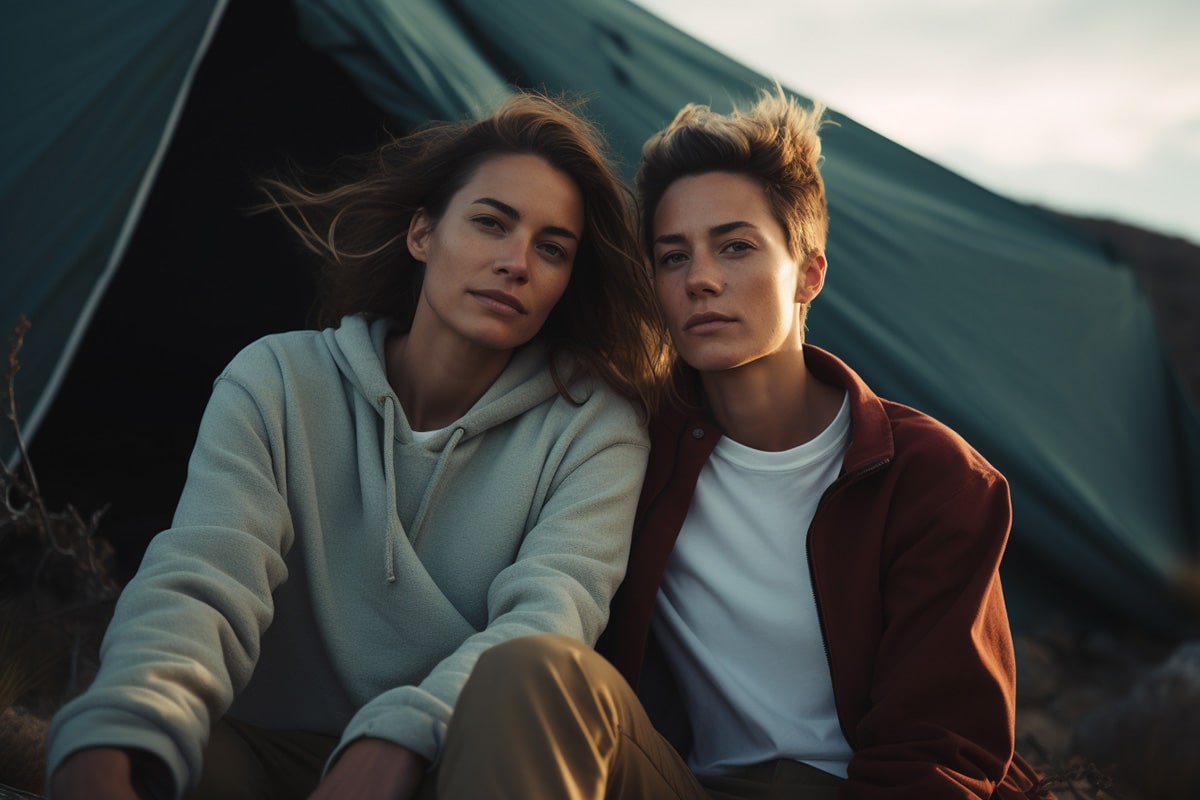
x: 527, y: 703
x: 542, y: 666
x: 531, y: 658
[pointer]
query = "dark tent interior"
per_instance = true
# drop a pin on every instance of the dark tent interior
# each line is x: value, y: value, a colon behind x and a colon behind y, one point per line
x: 199, y: 269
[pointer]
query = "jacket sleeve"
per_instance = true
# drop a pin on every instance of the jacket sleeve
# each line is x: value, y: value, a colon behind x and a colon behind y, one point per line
x: 562, y: 580
x: 185, y: 633
x: 939, y: 723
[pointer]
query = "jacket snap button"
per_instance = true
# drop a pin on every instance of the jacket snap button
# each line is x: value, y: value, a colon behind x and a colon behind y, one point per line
x: 697, y: 433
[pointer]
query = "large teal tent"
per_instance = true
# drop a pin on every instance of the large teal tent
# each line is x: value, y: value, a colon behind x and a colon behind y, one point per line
x: 1022, y: 335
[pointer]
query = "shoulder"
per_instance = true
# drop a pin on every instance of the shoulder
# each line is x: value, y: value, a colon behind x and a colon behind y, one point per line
x: 587, y: 403
x: 598, y: 408
x: 938, y: 486
x: 277, y: 352
x: 907, y: 455
x: 908, y: 440
x: 932, y: 448
x: 276, y: 357
x: 272, y: 370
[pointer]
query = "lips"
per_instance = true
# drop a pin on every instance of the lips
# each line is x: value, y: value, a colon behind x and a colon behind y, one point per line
x: 705, y: 317
x: 503, y: 298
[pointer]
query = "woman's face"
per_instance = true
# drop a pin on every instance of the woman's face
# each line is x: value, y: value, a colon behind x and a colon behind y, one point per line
x: 728, y: 286
x: 500, y: 257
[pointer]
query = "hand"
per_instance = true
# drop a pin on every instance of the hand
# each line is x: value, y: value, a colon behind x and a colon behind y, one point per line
x: 372, y: 769
x: 95, y: 773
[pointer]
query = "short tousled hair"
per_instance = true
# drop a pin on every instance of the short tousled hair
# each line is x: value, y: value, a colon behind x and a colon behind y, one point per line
x: 774, y: 141
x: 607, y: 317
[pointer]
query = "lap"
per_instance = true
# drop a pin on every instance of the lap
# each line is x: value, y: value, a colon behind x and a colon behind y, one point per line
x: 247, y: 762
x: 773, y: 780
x: 547, y: 711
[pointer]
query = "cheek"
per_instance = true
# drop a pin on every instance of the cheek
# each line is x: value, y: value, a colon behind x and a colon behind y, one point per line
x: 671, y: 311
x: 554, y: 289
x: 433, y: 279
x: 773, y: 289
x: 665, y: 291
x: 562, y: 283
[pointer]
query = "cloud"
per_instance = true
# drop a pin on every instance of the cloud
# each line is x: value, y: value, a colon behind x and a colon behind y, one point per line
x: 1064, y: 99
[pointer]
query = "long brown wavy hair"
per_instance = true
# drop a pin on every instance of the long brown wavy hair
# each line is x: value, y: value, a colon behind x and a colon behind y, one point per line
x: 607, y: 318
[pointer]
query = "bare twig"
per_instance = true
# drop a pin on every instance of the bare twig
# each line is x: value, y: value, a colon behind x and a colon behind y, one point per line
x: 56, y: 589
x: 14, y: 366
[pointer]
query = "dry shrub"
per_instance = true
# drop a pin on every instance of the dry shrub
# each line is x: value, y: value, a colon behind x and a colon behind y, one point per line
x: 56, y: 596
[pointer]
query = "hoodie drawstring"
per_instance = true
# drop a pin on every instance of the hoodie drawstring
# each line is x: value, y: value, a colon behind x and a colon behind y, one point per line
x: 389, y: 478
x: 434, y: 481
x: 392, y: 523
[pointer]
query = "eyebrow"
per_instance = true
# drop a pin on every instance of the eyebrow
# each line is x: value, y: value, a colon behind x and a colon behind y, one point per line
x: 716, y: 230
x: 513, y: 214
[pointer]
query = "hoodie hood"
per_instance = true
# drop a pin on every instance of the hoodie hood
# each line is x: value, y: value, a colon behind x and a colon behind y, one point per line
x: 358, y: 347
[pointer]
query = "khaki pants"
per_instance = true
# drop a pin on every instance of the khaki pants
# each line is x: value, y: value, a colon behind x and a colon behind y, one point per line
x: 246, y: 762
x: 541, y: 718
x: 546, y: 718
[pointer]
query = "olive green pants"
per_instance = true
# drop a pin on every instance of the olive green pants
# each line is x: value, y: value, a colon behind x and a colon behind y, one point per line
x: 541, y: 718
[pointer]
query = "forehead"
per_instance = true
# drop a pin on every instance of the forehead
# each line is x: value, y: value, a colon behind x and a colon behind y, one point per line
x: 517, y: 173
x: 696, y: 203
x: 538, y: 191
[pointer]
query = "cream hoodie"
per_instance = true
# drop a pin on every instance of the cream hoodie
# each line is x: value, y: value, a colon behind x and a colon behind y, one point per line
x: 333, y: 575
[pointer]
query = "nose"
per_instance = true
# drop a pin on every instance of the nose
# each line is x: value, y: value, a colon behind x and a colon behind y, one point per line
x: 703, y: 277
x: 513, y: 260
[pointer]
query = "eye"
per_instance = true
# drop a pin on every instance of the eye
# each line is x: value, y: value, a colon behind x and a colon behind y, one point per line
x: 673, y: 258
x: 487, y: 221
x: 555, y: 251
x: 738, y: 246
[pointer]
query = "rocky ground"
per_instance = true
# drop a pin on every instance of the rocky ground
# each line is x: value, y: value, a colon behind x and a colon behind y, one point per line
x: 1110, y: 716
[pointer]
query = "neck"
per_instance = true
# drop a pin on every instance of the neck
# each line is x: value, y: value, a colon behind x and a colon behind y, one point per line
x: 437, y: 385
x: 773, y: 403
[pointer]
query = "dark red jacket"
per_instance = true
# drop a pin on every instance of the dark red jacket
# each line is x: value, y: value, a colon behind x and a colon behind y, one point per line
x: 904, y: 553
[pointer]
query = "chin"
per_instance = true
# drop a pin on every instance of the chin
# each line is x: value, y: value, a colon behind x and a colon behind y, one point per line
x: 721, y: 359
x: 504, y: 339
x: 711, y: 363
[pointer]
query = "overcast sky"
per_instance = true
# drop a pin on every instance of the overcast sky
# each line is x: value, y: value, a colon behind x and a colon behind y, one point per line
x: 1087, y: 106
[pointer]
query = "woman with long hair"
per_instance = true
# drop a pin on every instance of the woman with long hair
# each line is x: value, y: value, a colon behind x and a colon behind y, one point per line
x: 453, y: 461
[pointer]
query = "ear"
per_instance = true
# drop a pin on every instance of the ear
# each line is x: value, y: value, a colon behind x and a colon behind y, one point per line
x: 811, y: 278
x: 419, y: 229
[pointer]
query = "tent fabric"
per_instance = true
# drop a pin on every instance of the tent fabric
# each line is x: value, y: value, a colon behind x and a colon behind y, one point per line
x: 411, y: 58
x: 90, y: 94
x: 1020, y: 334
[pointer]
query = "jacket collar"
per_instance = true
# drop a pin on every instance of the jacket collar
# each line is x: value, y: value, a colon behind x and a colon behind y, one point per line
x: 871, y: 441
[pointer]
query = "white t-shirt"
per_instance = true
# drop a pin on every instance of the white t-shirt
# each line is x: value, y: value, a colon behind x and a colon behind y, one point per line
x: 736, y: 613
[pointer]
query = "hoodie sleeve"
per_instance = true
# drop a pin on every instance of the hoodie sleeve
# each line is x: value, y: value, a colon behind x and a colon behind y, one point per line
x: 566, y: 571
x: 185, y: 633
